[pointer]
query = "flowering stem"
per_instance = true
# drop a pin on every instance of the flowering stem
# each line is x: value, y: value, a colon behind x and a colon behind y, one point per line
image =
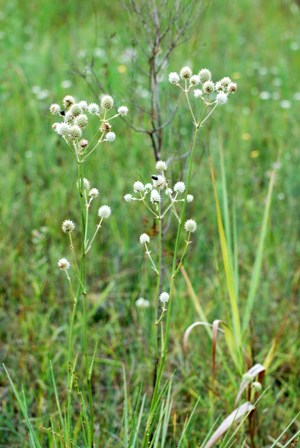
x: 188, y: 242
x: 189, y: 103
x: 208, y: 115
x: 88, y: 248
x: 148, y: 253
x: 149, y: 208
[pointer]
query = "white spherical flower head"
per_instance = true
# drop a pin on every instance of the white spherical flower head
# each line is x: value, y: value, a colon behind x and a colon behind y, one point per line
x: 128, y: 197
x: 232, y: 87
x: 123, y: 111
x: 179, y: 187
x: 221, y: 98
x: 205, y: 75
x: 164, y: 297
x: 144, y: 238
x: 84, y: 105
x: 198, y: 93
x: 93, y: 109
x: 82, y: 121
x: 138, y: 187
x: 225, y: 81
x: 168, y: 191
x: 195, y: 80
x: 75, y: 110
x: 104, y: 211
x: 142, y: 303
x: 75, y: 132
x: 83, y: 143
x: 110, y: 137
x: 174, y: 78
x: 148, y: 187
x: 219, y: 87
x: 155, y: 196
x: 189, y: 198
x: 94, y: 193
x: 68, y: 101
x: 69, y: 118
x: 54, y: 109
x: 107, y: 102
x: 185, y: 73
x: 64, y: 129
x: 63, y: 264
x: 208, y: 87
x: 190, y: 226
x: 161, y: 166
x: 68, y: 226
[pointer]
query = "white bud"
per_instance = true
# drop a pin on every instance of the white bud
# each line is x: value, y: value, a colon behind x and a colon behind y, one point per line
x: 164, y: 297
x: 128, y: 197
x: 174, y: 78
x: 190, y: 226
x: 123, y: 111
x: 63, y: 264
x: 104, y: 211
x: 144, y: 238
x: 179, y: 187
x: 138, y: 187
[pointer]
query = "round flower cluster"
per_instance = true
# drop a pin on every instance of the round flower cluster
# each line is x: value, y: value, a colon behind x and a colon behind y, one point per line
x: 207, y: 90
x: 75, y: 119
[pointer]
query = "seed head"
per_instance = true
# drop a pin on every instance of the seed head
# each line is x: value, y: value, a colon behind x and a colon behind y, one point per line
x: 155, y: 196
x: 190, y: 226
x: 185, y: 73
x: 110, y: 137
x: 138, y: 187
x: 105, y: 127
x: 83, y: 143
x: 69, y: 118
x: 75, y: 132
x: 94, y: 193
x: 189, y: 198
x: 128, y: 197
x: 62, y: 129
x: 68, y: 101
x: 82, y: 121
x: 221, y: 98
x: 104, y: 211
x: 123, y: 111
x: 75, y: 110
x: 93, y: 109
x: 174, y: 78
x: 179, y: 187
x: 219, y: 87
x: 68, y: 226
x: 208, y: 87
x: 63, y: 264
x: 54, y: 109
x: 205, y: 75
x: 107, y: 102
x: 144, y: 238
x: 225, y: 81
x: 195, y: 80
x: 232, y: 87
x: 161, y: 166
x: 164, y: 297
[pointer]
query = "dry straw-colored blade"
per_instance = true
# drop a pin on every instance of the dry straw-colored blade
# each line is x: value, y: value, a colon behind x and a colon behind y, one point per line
x: 237, y: 415
x: 257, y: 370
x: 188, y: 332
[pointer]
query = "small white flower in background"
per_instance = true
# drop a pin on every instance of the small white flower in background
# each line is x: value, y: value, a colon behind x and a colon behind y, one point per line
x: 148, y: 187
x: 208, y: 87
x: 138, y: 187
x: 75, y: 110
x: 185, y: 73
x: 221, y: 98
x: 161, y: 166
x: 232, y: 87
x: 93, y: 109
x: 164, y: 297
x: 66, y: 84
x: 205, y: 75
x: 82, y: 121
x: 169, y: 191
x: 155, y: 196
x: 179, y: 187
x: 110, y: 137
x: 94, y: 193
x: 86, y: 184
x: 104, y: 211
x: 63, y: 264
x: 285, y: 104
x: 54, y: 109
x: 190, y: 226
x: 84, y: 105
x: 128, y: 197
x: 265, y: 95
x: 198, y: 93
x: 225, y: 81
x: 189, y: 198
x: 75, y: 132
x: 68, y: 226
x: 142, y: 303
x: 123, y: 111
x: 195, y: 80
x: 68, y: 101
x: 107, y: 102
x: 144, y: 238
x: 174, y: 78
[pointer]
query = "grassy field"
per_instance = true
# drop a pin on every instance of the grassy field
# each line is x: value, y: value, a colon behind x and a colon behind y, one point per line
x: 46, y: 53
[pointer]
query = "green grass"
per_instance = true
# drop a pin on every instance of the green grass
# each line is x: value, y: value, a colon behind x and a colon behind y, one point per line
x: 41, y: 44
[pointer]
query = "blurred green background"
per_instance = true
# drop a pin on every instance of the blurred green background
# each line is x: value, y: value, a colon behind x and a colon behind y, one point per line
x: 50, y: 49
